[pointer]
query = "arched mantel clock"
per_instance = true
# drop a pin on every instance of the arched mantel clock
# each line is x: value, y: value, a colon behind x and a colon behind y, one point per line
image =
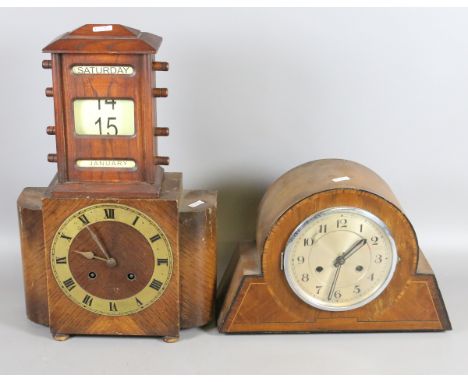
x: 334, y: 252
x: 114, y: 245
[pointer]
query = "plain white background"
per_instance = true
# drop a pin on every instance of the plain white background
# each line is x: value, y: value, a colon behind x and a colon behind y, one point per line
x: 253, y: 93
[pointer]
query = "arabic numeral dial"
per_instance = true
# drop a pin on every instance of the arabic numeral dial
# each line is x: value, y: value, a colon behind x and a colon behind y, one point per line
x: 340, y: 258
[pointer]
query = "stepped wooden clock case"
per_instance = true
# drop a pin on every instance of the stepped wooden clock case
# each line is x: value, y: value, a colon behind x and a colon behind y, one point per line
x: 334, y: 253
x: 114, y: 245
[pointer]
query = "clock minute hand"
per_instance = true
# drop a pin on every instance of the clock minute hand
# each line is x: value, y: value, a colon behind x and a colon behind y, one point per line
x: 340, y: 260
x: 97, y: 241
x: 109, y: 260
x: 335, y: 279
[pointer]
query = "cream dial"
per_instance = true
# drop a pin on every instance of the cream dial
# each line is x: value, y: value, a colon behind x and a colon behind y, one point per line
x: 340, y: 259
x: 108, y: 117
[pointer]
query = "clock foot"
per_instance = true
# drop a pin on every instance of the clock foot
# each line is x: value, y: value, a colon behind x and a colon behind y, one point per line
x: 61, y: 336
x: 170, y: 340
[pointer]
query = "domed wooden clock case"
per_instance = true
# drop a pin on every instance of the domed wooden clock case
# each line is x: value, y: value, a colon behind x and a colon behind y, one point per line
x: 334, y: 253
x: 114, y: 245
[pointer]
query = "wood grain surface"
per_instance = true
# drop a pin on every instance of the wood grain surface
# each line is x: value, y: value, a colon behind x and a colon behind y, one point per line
x: 259, y: 299
x: 191, y: 229
x: 32, y: 253
x: 120, y: 46
x: 161, y: 318
x: 197, y: 258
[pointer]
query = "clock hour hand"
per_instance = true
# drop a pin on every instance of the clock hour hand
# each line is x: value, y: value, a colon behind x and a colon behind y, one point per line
x: 91, y: 256
x: 354, y: 248
x: 340, y: 260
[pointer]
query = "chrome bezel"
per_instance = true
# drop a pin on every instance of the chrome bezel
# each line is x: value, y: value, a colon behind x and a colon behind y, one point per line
x: 319, y: 304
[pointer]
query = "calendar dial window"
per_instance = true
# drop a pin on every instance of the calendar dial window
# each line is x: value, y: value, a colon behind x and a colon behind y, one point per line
x: 106, y: 117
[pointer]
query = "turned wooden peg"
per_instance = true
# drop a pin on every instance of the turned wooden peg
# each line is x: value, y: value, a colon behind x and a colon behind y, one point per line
x: 50, y: 130
x: 160, y: 92
x: 47, y: 64
x: 49, y: 92
x: 52, y: 158
x: 164, y: 161
x: 160, y: 66
x: 161, y: 131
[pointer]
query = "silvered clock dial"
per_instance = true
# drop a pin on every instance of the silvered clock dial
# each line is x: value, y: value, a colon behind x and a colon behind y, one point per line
x: 340, y: 258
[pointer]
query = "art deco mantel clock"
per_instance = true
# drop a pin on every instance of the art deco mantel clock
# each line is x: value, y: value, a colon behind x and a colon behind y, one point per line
x: 114, y: 245
x: 334, y: 253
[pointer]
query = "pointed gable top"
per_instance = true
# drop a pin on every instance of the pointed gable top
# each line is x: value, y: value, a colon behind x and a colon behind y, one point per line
x: 105, y: 38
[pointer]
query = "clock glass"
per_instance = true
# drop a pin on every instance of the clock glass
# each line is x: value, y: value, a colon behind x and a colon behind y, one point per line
x: 340, y: 258
x: 111, y: 259
x: 109, y: 117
